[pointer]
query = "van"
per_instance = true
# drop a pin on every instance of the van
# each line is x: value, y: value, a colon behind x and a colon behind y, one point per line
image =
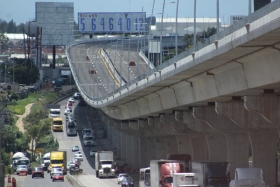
x: 57, y: 124
x: 54, y: 113
x: 89, y: 141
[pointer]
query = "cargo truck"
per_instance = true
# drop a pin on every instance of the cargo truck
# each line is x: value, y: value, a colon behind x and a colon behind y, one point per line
x: 104, y: 164
x: 58, y: 158
x: 16, y: 157
x: 145, y: 177
x: 161, y: 171
x: 183, y: 157
x: 187, y: 179
x: 46, y: 161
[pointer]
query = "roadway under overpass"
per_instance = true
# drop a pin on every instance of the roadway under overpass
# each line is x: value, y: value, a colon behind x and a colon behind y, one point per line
x: 221, y: 103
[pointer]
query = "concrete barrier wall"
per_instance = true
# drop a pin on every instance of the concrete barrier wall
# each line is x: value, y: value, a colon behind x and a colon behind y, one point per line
x: 73, y: 181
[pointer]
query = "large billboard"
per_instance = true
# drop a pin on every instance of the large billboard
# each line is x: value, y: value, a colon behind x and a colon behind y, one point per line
x: 112, y: 22
x: 56, y: 20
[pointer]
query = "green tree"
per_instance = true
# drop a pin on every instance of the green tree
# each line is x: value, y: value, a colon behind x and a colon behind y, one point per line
x: 37, y: 126
x: 4, y: 41
x: 11, y: 27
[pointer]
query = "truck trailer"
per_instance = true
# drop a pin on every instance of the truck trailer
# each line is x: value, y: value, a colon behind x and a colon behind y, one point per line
x: 104, y: 164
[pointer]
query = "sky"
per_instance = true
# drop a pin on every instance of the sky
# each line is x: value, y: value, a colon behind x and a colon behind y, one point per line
x: 22, y: 11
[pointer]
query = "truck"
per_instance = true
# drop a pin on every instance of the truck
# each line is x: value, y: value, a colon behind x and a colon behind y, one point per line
x: 187, y: 179
x: 145, y: 177
x: 46, y: 160
x: 183, y: 157
x: 104, y: 164
x: 213, y: 173
x: 16, y: 157
x: 161, y: 171
x: 58, y: 158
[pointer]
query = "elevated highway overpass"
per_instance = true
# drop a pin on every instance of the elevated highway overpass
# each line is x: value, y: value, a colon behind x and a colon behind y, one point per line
x: 218, y: 102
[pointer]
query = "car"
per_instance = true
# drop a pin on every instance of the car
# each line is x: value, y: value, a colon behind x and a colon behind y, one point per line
x: 71, y: 99
x: 70, y: 165
x: 71, y: 132
x: 78, y: 152
x: 67, y: 111
x: 56, y: 169
x: 87, y: 132
x: 38, y: 172
x: 21, y: 168
x: 69, y: 116
x: 69, y: 103
x: 127, y: 182
x: 89, y: 140
x: 77, y: 162
x: 75, y: 148
x: 58, y: 176
x: 68, y: 107
x: 76, y: 95
x: 92, y: 152
x: 121, y: 176
x: 79, y: 156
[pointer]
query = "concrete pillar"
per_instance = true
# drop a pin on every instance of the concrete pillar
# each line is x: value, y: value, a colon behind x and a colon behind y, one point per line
x: 109, y: 129
x: 143, y: 153
x: 171, y: 145
x: 160, y: 148
x: 217, y: 147
x: 238, y: 151
x: 184, y: 145
x: 123, y: 146
x: 200, y: 148
x: 264, y: 154
x: 151, y: 149
x: 135, y: 152
x: 115, y: 139
x: 129, y: 150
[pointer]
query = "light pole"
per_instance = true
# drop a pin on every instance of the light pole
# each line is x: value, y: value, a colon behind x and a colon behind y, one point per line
x: 249, y: 7
x: 150, y: 30
x: 176, y: 37
x: 218, y: 25
x: 194, y: 26
x: 160, y: 62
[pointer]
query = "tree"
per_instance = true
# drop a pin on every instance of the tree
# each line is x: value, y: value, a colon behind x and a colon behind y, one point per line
x: 37, y: 126
x: 4, y: 41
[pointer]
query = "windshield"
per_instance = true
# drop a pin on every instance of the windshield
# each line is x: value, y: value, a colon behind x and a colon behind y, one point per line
x: 71, y: 124
x: 23, y: 162
x: 168, y: 180
x: 21, y: 166
x: 47, y: 158
x: 106, y: 162
x: 87, y: 131
x: 57, y: 122
x: 56, y: 161
x: 55, y: 112
x: 88, y: 138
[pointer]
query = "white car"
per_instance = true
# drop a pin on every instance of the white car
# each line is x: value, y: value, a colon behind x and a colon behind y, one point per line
x: 71, y: 99
x: 76, y: 95
x: 92, y: 152
x: 56, y: 170
x: 79, y: 156
x: 121, y: 177
x: 75, y: 148
x: 70, y: 165
x: 67, y: 111
x: 21, y: 168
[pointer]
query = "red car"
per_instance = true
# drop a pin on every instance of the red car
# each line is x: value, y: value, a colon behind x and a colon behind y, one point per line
x: 37, y: 172
x: 58, y: 176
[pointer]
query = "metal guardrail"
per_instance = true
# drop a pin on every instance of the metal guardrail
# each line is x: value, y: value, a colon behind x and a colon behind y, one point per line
x: 227, y: 31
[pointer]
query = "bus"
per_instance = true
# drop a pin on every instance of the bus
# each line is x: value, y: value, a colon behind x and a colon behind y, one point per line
x: 57, y: 124
x: 145, y: 177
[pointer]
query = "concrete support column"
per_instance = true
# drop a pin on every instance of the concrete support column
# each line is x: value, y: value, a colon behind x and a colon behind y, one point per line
x: 143, y: 153
x: 171, y: 145
x: 151, y: 149
x: 160, y: 148
x: 184, y: 145
x: 238, y: 151
x: 129, y: 149
x: 115, y: 138
x: 200, y: 148
x: 123, y: 146
x: 135, y: 152
x: 217, y: 147
x: 264, y: 154
x: 109, y: 129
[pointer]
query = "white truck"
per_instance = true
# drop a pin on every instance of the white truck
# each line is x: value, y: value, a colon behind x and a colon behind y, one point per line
x: 46, y: 161
x: 187, y: 179
x: 104, y: 164
x: 16, y: 157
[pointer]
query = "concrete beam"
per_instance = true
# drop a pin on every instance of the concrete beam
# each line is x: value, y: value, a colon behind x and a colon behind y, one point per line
x: 144, y: 128
x: 154, y: 102
x: 214, y: 120
x: 193, y: 123
x: 129, y: 150
x: 179, y: 128
x: 143, y: 106
x: 136, y: 154
x: 184, y: 93
x: 168, y: 98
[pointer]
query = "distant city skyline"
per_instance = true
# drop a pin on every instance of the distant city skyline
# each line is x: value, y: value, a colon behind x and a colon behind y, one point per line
x: 23, y: 13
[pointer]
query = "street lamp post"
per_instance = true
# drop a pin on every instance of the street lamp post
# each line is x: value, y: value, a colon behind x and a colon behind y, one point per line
x: 194, y: 26
x: 218, y: 25
x: 176, y: 37
x: 161, y: 32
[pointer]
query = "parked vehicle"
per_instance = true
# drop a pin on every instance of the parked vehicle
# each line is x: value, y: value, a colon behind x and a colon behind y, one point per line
x: 38, y: 172
x: 104, y: 164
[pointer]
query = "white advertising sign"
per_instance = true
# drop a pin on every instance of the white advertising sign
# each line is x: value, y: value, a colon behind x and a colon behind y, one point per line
x: 112, y: 22
x: 56, y: 20
x: 234, y: 19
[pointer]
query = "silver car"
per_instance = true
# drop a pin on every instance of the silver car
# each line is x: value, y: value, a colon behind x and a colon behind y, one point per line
x: 71, y: 132
x: 21, y: 168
